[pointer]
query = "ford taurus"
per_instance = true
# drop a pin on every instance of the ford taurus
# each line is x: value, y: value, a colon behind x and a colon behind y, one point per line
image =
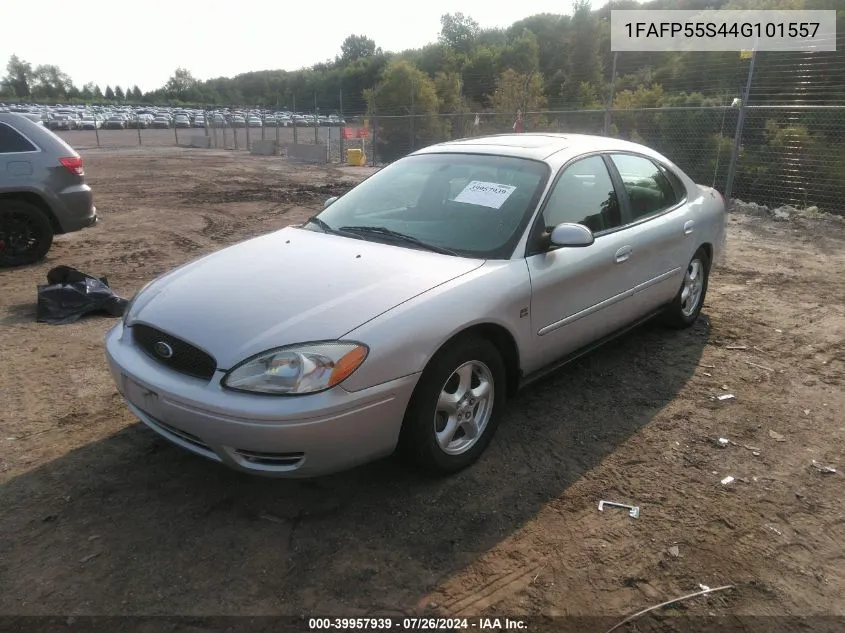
x: 405, y: 313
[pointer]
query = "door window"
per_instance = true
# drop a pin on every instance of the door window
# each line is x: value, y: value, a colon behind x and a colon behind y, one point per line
x: 649, y: 190
x: 11, y: 142
x: 584, y: 194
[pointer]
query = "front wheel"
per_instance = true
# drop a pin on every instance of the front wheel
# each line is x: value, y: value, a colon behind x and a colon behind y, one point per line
x: 686, y: 307
x: 455, y: 408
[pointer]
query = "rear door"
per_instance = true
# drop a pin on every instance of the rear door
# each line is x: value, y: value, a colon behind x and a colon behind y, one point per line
x: 17, y: 155
x: 660, y: 226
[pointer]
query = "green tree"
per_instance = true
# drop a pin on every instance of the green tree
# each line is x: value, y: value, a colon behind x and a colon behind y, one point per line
x: 435, y: 58
x: 97, y: 93
x: 19, y: 77
x: 109, y: 94
x: 519, y: 91
x: 479, y: 75
x: 118, y: 94
x: 180, y: 84
x: 404, y: 90
x: 355, y: 47
x: 521, y: 53
x: 453, y: 105
x: 583, y: 62
x: 50, y: 83
x: 458, y: 31
x: 137, y: 96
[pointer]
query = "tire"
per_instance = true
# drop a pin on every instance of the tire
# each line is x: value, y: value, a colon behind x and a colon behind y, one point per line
x: 479, y: 361
x: 681, y: 313
x: 26, y: 234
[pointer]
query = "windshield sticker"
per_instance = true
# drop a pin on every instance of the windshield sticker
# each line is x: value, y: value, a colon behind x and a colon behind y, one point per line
x: 485, y: 194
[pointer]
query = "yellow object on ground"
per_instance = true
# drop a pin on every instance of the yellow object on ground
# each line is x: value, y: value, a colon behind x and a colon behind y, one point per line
x: 356, y: 157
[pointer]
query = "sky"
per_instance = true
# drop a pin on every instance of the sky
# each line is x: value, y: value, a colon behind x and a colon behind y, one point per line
x: 128, y: 43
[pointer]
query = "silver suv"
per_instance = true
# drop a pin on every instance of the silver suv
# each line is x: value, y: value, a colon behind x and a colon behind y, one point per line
x: 42, y: 190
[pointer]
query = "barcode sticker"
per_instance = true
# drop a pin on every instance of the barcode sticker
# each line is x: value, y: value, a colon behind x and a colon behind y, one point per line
x: 485, y: 194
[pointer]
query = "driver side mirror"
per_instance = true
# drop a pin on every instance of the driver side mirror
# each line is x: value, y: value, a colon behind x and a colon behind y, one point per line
x: 330, y: 201
x: 571, y: 235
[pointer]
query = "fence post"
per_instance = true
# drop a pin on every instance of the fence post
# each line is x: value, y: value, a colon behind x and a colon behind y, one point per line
x: 293, y: 121
x: 610, y: 98
x: 411, y: 126
x: 342, y: 125
x: 137, y: 124
x: 276, y: 118
x: 316, y: 122
x: 246, y: 129
x: 97, y: 130
x: 740, y: 122
x: 176, y: 132
x: 373, y: 124
x: 264, y: 122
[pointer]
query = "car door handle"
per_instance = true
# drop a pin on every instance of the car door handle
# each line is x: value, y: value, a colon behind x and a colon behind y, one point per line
x: 688, y: 227
x: 623, y: 254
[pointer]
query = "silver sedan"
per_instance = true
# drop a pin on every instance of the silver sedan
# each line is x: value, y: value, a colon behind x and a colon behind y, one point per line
x: 407, y: 310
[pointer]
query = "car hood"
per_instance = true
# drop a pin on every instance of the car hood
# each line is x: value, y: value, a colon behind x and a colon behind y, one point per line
x: 290, y: 286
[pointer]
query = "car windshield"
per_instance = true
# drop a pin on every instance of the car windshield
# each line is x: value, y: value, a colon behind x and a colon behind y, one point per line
x: 473, y: 204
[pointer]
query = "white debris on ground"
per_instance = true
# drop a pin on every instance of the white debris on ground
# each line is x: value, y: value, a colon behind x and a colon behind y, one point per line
x: 783, y: 213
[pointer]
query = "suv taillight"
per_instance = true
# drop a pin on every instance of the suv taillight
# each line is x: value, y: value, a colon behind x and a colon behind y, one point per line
x: 73, y: 164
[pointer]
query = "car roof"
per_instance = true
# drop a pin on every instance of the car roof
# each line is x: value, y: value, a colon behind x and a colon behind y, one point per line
x: 538, y: 146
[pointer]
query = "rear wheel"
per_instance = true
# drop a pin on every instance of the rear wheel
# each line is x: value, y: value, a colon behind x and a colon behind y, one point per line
x: 688, y: 302
x: 455, y: 408
x: 25, y: 233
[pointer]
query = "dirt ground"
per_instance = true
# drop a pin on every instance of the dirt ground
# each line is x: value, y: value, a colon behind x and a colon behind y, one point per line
x: 99, y: 516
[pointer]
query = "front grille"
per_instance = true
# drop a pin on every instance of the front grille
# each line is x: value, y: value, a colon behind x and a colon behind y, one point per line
x: 186, y: 358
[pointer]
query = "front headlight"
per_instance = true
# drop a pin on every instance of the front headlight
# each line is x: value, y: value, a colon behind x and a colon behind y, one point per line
x: 297, y: 369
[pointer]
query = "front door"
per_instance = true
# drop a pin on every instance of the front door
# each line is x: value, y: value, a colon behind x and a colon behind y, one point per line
x: 578, y: 295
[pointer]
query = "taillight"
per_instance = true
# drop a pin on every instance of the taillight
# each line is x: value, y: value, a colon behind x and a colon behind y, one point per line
x: 73, y: 164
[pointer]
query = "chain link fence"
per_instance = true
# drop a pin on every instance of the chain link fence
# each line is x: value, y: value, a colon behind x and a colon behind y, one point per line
x: 775, y: 135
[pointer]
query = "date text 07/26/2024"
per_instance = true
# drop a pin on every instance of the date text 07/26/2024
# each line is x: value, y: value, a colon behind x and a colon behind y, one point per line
x: 416, y: 624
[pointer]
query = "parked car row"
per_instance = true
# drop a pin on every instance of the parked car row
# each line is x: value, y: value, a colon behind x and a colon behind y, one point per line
x: 77, y: 117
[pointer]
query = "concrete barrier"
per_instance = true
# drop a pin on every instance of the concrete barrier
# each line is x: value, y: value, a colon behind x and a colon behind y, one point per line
x: 266, y: 147
x: 202, y: 142
x: 307, y: 153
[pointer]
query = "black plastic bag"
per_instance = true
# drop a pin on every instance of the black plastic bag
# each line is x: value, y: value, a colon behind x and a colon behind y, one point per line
x: 70, y: 294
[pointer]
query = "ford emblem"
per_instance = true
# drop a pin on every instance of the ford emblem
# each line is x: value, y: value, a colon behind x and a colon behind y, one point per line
x: 163, y: 350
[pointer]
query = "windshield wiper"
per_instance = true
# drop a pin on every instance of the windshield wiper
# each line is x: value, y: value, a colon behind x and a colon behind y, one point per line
x: 315, y: 220
x: 399, y: 237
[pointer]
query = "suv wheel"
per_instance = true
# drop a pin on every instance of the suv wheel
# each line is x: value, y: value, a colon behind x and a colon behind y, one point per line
x: 25, y: 233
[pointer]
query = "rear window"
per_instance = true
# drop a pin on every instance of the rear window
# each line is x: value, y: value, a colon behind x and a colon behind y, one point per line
x: 679, y: 187
x: 11, y: 141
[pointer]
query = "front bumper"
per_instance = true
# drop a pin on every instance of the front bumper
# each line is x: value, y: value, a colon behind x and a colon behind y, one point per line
x: 302, y: 436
